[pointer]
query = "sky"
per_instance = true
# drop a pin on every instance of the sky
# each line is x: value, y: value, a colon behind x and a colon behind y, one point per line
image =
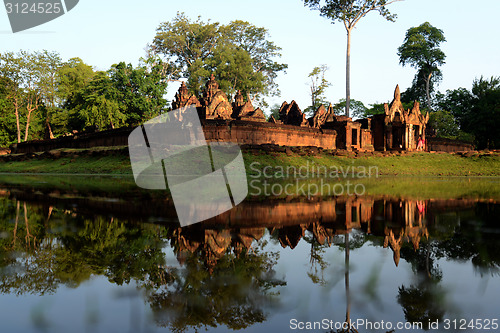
x: 103, y: 33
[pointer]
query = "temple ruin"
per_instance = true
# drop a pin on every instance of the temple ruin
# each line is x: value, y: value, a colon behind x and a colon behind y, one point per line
x: 395, y: 129
x: 398, y: 128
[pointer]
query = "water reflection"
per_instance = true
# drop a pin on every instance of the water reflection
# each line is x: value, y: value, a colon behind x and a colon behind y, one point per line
x: 225, y: 270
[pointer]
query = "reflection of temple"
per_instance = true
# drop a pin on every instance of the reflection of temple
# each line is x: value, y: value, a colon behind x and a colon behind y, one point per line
x: 398, y: 222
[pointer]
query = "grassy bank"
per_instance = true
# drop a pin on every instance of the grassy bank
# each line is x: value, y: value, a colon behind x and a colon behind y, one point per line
x: 116, y: 161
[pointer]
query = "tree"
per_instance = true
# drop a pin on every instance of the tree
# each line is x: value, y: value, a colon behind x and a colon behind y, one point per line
x: 484, y: 117
x: 238, y: 54
x: 350, y: 12
x: 274, y: 111
x: 48, y: 65
x: 97, y: 105
x: 7, y: 119
x: 233, y: 69
x: 477, y: 111
x: 420, y: 50
x: 11, y: 69
x: 123, y: 95
x: 73, y: 76
x: 317, y: 86
x: 253, y: 40
x: 359, y: 110
x: 23, y: 71
x: 444, y: 124
x: 140, y: 90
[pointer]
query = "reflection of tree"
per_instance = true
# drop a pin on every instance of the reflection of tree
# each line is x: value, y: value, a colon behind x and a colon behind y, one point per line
x: 422, y: 303
x: 318, y: 264
x: 234, y: 294
x: 476, y: 239
x: 424, y: 300
x: 50, y: 253
x: 27, y: 272
x: 224, y: 280
x: 225, y: 275
x: 98, y: 245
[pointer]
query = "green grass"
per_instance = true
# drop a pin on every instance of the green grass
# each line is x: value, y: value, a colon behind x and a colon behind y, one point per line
x: 77, y: 162
x: 116, y: 161
x: 417, y: 164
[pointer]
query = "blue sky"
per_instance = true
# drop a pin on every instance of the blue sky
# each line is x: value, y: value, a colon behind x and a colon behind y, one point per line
x: 105, y: 32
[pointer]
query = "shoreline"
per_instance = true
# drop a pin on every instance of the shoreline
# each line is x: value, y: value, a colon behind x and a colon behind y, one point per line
x: 114, y: 161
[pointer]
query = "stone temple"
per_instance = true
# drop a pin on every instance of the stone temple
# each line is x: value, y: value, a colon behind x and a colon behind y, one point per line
x: 237, y: 120
x: 240, y: 122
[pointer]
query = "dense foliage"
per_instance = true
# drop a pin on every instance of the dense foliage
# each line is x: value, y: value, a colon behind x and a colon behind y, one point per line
x: 239, y: 54
x: 476, y: 111
x: 420, y: 50
x: 43, y: 97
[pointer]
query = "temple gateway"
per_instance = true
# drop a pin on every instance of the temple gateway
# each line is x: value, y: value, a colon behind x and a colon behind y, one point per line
x: 240, y: 122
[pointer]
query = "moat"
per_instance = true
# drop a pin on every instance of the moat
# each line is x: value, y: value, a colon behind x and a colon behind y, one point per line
x: 91, y: 254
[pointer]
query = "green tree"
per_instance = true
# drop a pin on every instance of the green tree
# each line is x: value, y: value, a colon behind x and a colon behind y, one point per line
x: 23, y: 70
x: 238, y: 54
x: 72, y: 77
x: 11, y: 69
x: 274, y: 111
x: 140, y: 90
x: 7, y: 114
x: 33, y: 89
x: 375, y: 108
x: 49, y: 64
x: 477, y: 111
x: 420, y: 50
x: 359, y: 110
x: 124, y: 95
x: 317, y: 86
x: 444, y: 124
x: 457, y: 101
x: 349, y: 12
x: 253, y: 40
x: 484, y: 117
x: 97, y: 105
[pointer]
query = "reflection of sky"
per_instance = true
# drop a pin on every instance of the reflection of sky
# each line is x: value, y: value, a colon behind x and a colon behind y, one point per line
x: 95, y: 306
x: 100, y: 306
x: 468, y: 295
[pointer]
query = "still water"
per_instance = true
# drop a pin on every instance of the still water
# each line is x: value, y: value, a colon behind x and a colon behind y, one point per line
x: 94, y: 255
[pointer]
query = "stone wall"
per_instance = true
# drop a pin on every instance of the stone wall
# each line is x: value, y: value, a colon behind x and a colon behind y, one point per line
x: 241, y: 132
x: 366, y: 139
x: 109, y: 138
x: 247, y: 132
x: 448, y: 145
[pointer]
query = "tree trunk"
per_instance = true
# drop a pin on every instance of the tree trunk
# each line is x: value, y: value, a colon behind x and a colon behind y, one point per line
x: 16, y: 108
x: 48, y: 130
x: 427, y: 87
x: 27, y: 125
x: 348, y: 74
x: 346, y: 277
x: 31, y: 106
